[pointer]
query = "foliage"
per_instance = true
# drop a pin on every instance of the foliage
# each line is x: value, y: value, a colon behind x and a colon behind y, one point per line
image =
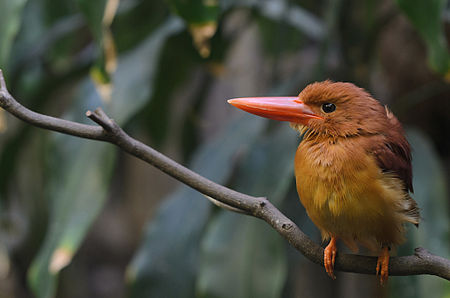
x: 163, y: 69
x: 427, y: 18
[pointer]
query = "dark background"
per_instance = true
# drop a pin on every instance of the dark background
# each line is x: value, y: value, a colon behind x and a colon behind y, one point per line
x: 78, y: 218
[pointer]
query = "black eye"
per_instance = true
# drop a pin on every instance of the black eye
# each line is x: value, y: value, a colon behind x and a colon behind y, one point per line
x: 328, y: 107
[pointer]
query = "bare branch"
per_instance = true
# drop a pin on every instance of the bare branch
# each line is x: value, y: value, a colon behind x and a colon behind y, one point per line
x: 8, y: 103
x: 422, y: 262
x: 100, y: 117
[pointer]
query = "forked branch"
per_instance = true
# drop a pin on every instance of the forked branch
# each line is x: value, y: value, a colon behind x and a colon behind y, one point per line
x: 422, y: 262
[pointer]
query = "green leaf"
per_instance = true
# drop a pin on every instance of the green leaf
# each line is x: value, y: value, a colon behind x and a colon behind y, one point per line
x: 243, y: 256
x: 93, y: 12
x: 133, y: 17
x: 80, y: 173
x: 201, y: 15
x: 196, y: 11
x: 431, y: 194
x: 174, y: 67
x: 10, y: 19
x: 47, y: 32
x: 167, y: 261
x: 55, y: 10
x: 427, y: 18
x: 165, y: 264
x: 78, y: 182
x: 134, y: 79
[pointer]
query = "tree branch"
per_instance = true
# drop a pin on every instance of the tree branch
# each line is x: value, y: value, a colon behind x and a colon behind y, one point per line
x: 422, y: 262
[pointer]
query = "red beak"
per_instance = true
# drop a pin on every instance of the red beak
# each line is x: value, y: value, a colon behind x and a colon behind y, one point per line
x: 290, y: 109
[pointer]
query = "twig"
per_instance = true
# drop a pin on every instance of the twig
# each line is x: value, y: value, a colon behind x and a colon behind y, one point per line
x: 422, y: 262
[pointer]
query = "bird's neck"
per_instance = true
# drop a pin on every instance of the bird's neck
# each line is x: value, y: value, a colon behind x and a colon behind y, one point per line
x: 314, y: 137
x: 331, y: 153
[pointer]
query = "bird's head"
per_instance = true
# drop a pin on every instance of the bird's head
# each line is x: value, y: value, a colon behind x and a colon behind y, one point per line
x: 328, y: 109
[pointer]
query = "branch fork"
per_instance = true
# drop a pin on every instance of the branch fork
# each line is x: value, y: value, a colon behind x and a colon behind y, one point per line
x: 100, y: 117
x: 422, y: 262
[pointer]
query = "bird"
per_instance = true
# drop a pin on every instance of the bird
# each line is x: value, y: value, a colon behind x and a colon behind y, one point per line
x: 352, y: 167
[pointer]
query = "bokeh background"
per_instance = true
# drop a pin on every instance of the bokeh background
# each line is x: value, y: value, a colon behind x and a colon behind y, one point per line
x: 79, y: 218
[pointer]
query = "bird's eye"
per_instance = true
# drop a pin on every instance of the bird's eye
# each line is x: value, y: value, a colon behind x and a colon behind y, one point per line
x: 328, y: 107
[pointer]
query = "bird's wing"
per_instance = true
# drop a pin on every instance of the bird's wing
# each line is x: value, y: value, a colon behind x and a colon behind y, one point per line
x: 393, y: 153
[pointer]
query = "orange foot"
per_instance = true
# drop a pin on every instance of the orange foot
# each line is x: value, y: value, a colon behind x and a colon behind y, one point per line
x: 382, y: 265
x: 329, y: 255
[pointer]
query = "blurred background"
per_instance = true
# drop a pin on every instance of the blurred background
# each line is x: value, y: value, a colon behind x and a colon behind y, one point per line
x: 79, y: 218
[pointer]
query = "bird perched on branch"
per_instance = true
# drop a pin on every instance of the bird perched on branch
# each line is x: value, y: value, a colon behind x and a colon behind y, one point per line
x: 352, y: 167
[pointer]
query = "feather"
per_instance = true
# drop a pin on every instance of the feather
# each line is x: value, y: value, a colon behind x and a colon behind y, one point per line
x: 393, y: 153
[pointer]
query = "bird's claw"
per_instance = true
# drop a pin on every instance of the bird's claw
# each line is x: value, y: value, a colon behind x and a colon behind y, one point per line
x: 329, y: 257
x: 383, y: 266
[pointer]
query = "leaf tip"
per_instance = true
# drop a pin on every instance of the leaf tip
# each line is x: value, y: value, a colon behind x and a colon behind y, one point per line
x: 60, y: 259
x: 201, y: 34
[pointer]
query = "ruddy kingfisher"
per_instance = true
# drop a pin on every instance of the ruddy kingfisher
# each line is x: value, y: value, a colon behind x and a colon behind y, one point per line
x: 352, y: 167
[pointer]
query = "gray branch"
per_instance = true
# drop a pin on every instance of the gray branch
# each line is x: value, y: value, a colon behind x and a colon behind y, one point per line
x: 422, y: 262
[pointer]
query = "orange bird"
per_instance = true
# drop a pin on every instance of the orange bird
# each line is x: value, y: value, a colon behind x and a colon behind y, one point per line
x: 352, y: 167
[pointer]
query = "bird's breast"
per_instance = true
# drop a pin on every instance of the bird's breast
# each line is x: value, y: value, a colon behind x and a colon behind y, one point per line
x: 329, y: 175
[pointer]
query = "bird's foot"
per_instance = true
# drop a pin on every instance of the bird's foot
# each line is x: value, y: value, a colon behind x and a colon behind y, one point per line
x: 329, y: 256
x: 382, y: 265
